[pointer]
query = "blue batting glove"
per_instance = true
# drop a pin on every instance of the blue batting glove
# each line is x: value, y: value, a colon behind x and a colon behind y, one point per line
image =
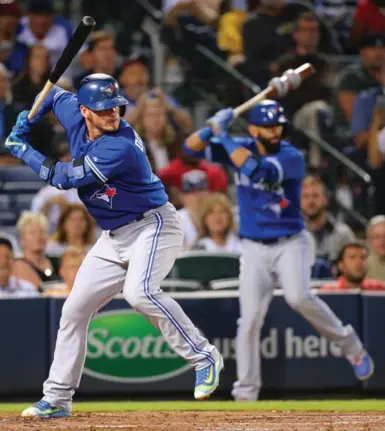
x: 60, y: 181
x: 221, y: 120
x: 23, y: 125
x: 17, y: 145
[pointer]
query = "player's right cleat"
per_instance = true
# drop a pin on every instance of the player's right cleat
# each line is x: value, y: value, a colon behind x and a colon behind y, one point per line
x: 364, y: 368
x: 44, y: 410
x: 207, y: 379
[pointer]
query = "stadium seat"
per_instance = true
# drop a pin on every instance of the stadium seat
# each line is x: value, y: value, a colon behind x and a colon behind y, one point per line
x: 4, y: 203
x: 22, y: 186
x: 7, y: 218
x: 178, y: 285
x: 18, y: 173
x: 22, y: 201
x: 204, y: 266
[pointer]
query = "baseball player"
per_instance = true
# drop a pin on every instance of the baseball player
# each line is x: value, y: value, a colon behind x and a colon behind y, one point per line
x: 141, y: 235
x: 276, y: 247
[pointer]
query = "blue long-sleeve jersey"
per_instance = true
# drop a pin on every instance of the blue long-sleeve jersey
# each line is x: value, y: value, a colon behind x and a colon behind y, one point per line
x: 269, y: 196
x: 118, y: 185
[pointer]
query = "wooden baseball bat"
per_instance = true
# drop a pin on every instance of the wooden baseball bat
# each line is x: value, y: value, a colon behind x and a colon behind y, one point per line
x: 303, y: 71
x: 73, y: 47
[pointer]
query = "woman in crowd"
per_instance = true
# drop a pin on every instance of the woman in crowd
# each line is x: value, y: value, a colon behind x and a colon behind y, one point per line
x: 75, y: 228
x: 152, y: 124
x: 34, y: 266
x: 217, y: 226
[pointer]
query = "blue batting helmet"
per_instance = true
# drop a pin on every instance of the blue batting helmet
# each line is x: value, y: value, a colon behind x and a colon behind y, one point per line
x: 267, y: 113
x: 99, y: 91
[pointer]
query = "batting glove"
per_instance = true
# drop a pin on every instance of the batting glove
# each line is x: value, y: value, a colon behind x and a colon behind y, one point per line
x: 22, y: 126
x: 17, y: 145
x: 221, y: 120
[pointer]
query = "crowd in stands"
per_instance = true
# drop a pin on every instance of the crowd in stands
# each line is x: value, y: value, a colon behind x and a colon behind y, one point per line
x: 45, y: 232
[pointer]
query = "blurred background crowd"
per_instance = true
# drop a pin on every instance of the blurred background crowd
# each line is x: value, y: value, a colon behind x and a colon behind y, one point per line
x: 178, y: 61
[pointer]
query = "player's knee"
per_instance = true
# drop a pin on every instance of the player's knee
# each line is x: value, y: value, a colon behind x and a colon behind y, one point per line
x: 73, y: 313
x: 135, y: 299
x: 297, y: 300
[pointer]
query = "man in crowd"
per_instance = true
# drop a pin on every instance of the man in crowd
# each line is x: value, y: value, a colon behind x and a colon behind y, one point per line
x: 329, y: 235
x: 312, y: 96
x: 10, y: 286
x: 358, y: 77
x: 352, y: 263
x: 375, y: 238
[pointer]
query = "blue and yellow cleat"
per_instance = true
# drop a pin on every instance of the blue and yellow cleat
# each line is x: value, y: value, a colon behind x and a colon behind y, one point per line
x: 364, y: 368
x: 44, y: 410
x: 207, y: 379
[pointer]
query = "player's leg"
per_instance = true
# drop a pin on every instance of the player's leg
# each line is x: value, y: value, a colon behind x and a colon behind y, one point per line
x: 158, y: 242
x: 255, y: 292
x: 293, y: 265
x: 99, y: 278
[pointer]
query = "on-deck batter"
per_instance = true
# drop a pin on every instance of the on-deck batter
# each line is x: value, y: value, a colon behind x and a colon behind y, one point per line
x: 276, y: 246
x: 141, y: 235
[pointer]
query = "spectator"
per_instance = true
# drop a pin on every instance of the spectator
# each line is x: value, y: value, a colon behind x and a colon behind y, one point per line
x: 70, y: 262
x: 103, y: 57
x: 329, y: 235
x: 206, y: 12
x: 194, y: 191
x: 12, y: 52
x: 171, y: 176
x: 368, y: 18
x: 41, y: 26
x: 358, y: 77
x: 152, y: 125
x: 8, y: 114
x: 217, y: 226
x: 352, y: 264
x: 135, y: 81
x: 75, y: 228
x: 304, y: 104
x: 34, y: 266
x: 322, y: 268
x: 375, y: 237
x: 267, y: 35
x: 10, y: 286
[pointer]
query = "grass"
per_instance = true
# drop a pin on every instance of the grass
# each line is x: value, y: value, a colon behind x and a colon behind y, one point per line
x: 302, y: 406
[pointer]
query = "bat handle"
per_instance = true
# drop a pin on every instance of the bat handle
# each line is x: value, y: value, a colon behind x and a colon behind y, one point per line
x: 43, y: 94
x: 239, y: 110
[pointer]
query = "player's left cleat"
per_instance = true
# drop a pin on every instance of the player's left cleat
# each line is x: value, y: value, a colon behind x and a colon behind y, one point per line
x: 364, y: 367
x: 207, y: 379
x: 44, y: 410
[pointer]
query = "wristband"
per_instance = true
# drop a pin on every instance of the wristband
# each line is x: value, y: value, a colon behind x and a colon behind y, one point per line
x: 205, y: 134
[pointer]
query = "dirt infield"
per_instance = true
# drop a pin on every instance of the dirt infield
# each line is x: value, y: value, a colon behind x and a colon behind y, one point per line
x: 202, y: 421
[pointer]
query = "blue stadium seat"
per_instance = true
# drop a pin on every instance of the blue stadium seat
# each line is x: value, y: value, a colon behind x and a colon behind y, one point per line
x: 22, y: 187
x: 7, y: 218
x: 18, y: 173
x: 22, y: 201
x: 4, y: 203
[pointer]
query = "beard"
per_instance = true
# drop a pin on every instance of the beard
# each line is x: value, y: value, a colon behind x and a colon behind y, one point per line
x: 270, y: 147
x: 316, y: 215
x: 355, y: 278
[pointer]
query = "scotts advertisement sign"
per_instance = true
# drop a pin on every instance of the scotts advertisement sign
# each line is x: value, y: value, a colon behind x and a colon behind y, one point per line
x: 125, y: 347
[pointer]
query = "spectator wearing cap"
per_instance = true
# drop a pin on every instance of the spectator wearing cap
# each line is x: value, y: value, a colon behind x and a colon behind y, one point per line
x: 12, y: 52
x: 171, y: 176
x: 103, y: 56
x: 216, y: 226
x: 194, y: 191
x: 352, y: 264
x: 135, y: 81
x: 369, y: 17
x: 10, y: 286
x: 375, y: 237
x: 42, y: 26
x: 358, y: 77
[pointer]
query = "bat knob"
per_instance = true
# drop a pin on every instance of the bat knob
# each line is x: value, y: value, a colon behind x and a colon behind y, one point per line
x: 88, y: 21
x: 293, y: 78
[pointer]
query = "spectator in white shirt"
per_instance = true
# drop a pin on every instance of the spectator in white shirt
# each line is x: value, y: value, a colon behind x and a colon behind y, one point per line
x: 41, y: 26
x: 10, y: 286
x: 194, y: 191
x: 217, y: 226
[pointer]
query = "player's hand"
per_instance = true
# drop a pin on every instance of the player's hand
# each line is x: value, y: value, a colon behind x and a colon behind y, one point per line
x: 17, y: 145
x: 59, y: 177
x: 22, y: 126
x: 221, y: 120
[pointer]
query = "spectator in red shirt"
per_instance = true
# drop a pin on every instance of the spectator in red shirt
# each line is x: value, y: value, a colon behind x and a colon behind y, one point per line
x: 171, y: 176
x: 369, y: 17
x: 352, y: 264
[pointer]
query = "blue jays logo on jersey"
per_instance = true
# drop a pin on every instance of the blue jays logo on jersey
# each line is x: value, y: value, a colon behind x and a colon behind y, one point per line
x: 109, y: 90
x: 105, y: 194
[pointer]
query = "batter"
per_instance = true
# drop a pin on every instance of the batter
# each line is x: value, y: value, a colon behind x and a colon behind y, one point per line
x: 276, y: 247
x: 141, y: 235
